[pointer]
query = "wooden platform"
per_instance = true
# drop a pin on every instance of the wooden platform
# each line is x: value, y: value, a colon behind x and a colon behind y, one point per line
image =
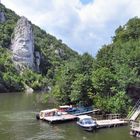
x: 59, y: 119
x: 110, y: 123
x: 135, y: 129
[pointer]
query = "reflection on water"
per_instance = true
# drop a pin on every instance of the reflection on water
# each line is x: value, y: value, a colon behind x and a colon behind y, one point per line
x: 17, y: 122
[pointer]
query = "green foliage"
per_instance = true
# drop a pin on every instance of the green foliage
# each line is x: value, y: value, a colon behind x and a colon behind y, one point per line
x: 34, y: 80
x: 6, y: 28
x: 10, y: 78
x: 73, y: 83
x: 104, y: 81
x: 130, y: 31
x: 119, y: 103
x: 117, y: 68
x: 81, y: 89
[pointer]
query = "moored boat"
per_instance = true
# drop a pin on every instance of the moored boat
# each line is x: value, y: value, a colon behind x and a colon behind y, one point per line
x: 78, y: 110
x: 55, y: 115
x: 86, y: 122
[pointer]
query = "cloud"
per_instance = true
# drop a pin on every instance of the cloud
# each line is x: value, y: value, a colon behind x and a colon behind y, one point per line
x: 84, y: 27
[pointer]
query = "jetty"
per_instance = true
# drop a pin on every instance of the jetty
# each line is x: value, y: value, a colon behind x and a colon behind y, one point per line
x: 110, y: 123
x: 60, y: 119
x: 135, y: 129
x: 113, y: 120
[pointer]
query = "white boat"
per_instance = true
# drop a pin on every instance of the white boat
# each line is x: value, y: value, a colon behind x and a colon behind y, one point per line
x: 86, y: 122
x: 55, y: 115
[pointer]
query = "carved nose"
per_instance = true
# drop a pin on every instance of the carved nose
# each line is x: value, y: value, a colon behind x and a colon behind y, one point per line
x: 24, y: 44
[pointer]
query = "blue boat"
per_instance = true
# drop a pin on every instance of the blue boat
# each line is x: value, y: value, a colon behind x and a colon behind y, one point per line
x: 77, y: 110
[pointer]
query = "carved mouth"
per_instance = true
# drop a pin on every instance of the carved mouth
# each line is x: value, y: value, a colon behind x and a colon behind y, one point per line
x: 22, y: 58
x: 23, y: 54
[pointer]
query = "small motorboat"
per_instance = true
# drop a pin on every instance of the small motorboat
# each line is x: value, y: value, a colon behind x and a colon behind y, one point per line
x: 86, y: 122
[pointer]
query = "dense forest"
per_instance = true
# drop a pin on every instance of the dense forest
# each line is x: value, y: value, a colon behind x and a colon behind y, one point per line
x: 110, y: 81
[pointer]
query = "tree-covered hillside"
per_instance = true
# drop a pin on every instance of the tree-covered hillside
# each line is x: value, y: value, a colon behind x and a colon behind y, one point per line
x: 54, y: 54
x: 116, y: 74
x: 110, y: 81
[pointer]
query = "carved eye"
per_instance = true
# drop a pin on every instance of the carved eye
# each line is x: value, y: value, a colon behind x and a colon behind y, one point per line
x: 27, y: 41
x: 21, y: 41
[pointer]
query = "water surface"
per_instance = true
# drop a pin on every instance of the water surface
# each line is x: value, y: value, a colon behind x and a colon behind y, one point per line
x: 18, y: 122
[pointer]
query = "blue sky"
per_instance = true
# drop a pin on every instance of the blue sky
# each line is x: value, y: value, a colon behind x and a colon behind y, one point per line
x: 86, y: 1
x: 84, y: 25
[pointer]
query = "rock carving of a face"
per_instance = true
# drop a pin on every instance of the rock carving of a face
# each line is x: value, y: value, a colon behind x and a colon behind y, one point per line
x: 23, y: 43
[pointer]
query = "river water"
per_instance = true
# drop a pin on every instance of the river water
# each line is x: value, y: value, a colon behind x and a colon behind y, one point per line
x: 18, y: 122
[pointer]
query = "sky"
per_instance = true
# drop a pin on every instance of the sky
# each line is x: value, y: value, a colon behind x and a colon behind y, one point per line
x: 84, y: 25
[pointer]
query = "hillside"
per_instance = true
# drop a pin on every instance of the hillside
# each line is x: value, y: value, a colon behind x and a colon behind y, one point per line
x: 117, y: 71
x: 110, y: 81
x: 54, y: 54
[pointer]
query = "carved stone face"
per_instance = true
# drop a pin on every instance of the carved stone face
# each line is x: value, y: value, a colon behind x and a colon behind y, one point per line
x: 23, y: 44
x: 23, y: 48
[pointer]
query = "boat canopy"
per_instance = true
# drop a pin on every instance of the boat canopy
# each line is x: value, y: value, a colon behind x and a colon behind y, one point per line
x: 81, y: 117
x: 65, y: 106
x: 49, y: 110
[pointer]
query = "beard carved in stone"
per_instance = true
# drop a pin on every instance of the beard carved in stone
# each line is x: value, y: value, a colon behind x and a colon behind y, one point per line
x: 23, y: 44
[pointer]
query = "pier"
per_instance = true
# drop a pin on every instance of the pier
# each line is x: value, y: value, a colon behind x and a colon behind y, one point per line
x: 111, y: 120
x: 135, y: 129
x: 110, y: 123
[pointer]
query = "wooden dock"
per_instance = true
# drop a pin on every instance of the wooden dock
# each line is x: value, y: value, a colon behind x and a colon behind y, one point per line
x: 135, y: 129
x: 60, y: 119
x: 110, y: 123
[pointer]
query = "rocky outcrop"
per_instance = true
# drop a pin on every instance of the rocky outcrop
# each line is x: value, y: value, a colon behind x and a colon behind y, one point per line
x: 28, y: 89
x: 37, y: 60
x: 2, y: 17
x: 22, y: 45
x: 59, y: 52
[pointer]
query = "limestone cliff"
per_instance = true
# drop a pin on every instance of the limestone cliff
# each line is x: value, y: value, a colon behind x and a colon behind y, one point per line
x: 22, y: 45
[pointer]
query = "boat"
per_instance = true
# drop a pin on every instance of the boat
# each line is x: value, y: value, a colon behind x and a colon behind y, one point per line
x: 87, y: 123
x: 55, y: 116
x: 78, y: 110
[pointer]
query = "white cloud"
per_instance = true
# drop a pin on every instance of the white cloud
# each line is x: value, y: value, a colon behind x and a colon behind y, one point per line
x: 85, y: 28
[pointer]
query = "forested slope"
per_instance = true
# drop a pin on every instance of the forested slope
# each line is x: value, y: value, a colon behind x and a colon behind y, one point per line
x: 110, y: 81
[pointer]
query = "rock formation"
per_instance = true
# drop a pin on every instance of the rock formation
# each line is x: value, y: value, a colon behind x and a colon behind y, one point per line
x: 22, y: 45
x: 59, y: 52
x: 37, y: 60
x: 2, y: 17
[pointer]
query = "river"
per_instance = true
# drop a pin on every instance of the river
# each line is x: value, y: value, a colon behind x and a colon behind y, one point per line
x: 18, y: 122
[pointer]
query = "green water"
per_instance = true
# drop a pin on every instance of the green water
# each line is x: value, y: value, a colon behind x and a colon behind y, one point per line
x: 17, y: 122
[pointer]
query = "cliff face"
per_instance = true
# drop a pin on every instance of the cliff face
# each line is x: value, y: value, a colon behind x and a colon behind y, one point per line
x: 23, y: 45
x: 2, y: 17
